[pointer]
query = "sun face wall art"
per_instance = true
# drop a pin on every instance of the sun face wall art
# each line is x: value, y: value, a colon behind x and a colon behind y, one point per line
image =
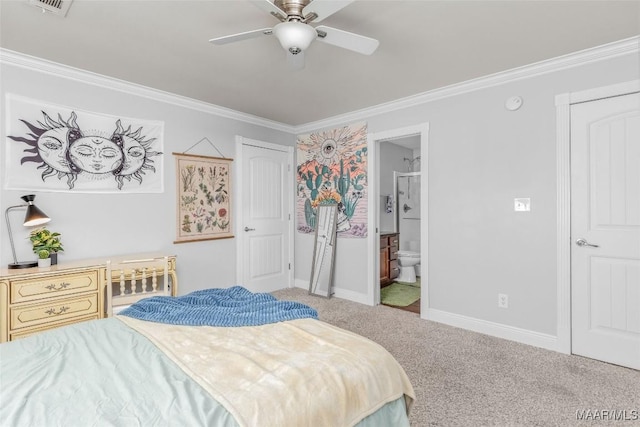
x: 332, y: 169
x: 56, y: 148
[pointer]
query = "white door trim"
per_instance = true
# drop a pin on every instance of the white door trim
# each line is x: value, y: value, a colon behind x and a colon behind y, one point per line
x: 373, y: 238
x: 563, y: 198
x: 238, y: 176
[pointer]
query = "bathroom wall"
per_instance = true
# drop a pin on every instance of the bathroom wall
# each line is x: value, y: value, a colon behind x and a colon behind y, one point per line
x: 416, y: 153
x: 393, y: 156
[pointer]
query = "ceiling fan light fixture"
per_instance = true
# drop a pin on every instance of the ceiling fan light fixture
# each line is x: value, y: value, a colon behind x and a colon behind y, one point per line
x: 294, y: 36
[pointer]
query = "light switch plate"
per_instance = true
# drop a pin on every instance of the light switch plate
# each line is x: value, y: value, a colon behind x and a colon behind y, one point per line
x: 522, y: 204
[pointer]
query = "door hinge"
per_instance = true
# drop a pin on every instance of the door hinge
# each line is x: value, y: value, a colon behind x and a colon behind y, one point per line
x: 289, y: 266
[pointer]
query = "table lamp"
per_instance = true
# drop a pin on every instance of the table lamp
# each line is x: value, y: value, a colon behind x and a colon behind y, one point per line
x: 33, y: 217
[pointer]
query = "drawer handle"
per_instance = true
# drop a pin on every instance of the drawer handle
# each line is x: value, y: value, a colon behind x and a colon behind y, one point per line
x: 52, y: 311
x: 54, y: 287
x: 397, y: 268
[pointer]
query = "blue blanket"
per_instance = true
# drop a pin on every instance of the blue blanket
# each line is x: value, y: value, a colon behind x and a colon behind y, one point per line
x: 235, y: 306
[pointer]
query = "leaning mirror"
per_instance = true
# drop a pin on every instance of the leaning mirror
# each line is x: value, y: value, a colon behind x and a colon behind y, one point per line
x: 324, y: 251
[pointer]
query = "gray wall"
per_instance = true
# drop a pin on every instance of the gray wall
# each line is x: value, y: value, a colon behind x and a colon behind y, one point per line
x: 481, y: 157
x: 97, y: 225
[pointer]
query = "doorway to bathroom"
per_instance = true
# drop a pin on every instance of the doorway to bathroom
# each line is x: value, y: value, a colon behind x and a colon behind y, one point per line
x: 402, y: 289
x: 400, y: 164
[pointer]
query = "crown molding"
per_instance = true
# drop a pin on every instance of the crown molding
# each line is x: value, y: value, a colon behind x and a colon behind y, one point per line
x: 599, y: 53
x: 76, y: 74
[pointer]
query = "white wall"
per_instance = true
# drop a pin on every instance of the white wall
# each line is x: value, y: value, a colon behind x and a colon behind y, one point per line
x: 96, y: 225
x: 480, y: 158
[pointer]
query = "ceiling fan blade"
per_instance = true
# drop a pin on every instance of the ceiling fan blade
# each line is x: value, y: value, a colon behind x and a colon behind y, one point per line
x: 241, y: 36
x: 271, y: 9
x: 347, y: 40
x: 296, y: 62
x: 323, y: 9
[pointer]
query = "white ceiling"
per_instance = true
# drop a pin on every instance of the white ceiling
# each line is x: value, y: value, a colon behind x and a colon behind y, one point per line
x: 424, y: 45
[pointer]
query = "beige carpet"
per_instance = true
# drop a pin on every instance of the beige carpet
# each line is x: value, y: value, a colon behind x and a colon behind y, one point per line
x: 462, y: 378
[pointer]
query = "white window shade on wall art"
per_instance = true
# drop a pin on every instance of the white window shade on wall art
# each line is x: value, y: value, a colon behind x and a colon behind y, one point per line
x: 57, y: 148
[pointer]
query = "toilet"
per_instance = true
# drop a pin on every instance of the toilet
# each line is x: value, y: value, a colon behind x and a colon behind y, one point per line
x: 409, y: 263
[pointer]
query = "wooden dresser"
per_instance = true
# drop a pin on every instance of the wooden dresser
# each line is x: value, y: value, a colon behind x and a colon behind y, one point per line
x: 389, y: 269
x: 35, y: 299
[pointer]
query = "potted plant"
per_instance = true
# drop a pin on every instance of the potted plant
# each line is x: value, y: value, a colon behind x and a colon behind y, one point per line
x: 44, y: 259
x: 44, y: 239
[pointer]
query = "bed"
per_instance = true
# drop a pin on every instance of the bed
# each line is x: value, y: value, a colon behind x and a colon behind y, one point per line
x: 216, y: 357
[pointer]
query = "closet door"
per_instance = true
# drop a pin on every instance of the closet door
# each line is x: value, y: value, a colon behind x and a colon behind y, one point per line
x: 605, y: 229
x: 266, y: 218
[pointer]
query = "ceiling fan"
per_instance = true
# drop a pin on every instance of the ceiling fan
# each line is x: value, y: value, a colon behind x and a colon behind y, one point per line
x: 295, y: 33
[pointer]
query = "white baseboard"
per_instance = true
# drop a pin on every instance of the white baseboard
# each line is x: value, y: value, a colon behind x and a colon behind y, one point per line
x: 338, y: 293
x: 524, y: 336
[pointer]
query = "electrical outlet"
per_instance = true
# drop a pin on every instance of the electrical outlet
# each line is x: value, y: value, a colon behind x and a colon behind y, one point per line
x: 503, y: 300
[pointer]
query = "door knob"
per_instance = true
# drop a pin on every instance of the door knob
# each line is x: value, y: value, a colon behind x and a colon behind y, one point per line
x: 249, y: 229
x: 582, y: 242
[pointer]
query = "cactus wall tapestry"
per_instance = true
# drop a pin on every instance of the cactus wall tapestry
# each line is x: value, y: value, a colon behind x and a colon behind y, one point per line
x: 332, y: 168
x: 56, y: 148
x: 204, y: 206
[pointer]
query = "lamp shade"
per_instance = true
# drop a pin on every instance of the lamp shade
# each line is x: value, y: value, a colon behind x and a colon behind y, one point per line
x: 294, y: 36
x: 34, y: 215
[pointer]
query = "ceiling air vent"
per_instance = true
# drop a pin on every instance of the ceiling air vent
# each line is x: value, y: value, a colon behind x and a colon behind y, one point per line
x: 57, y: 7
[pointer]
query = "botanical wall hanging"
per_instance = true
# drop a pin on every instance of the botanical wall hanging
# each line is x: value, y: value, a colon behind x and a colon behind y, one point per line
x: 204, y: 197
x: 55, y: 148
x: 332, y: 168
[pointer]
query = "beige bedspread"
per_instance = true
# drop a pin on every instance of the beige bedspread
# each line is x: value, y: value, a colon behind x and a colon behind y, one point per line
x: 296, y: 373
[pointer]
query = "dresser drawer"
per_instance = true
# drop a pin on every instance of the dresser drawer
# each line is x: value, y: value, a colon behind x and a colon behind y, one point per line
x: 394, y: 270
x: 53, y: 311
x: 393, y: 252
x: 23, y: 333
x: 53, y: 286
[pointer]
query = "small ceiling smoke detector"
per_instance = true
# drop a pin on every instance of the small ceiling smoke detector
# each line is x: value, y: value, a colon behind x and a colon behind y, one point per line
x: 57, y: 7
x: 513, y: 103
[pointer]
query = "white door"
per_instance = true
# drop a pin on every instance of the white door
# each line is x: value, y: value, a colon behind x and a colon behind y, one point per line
x: 605, y: 229
x: 266, y: 217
